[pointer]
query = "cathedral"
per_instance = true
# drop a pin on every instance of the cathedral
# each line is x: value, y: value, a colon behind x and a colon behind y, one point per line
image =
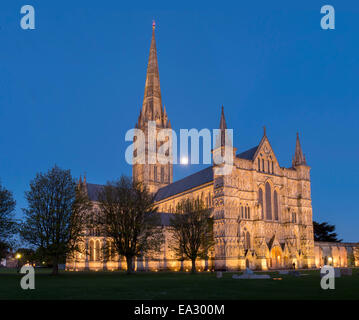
x: 262, y: 212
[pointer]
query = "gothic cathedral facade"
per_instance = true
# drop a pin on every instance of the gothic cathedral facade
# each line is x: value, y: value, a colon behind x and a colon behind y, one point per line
x: 262, y: 212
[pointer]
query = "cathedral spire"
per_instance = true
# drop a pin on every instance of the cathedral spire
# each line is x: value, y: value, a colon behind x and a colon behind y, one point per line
x: 152, y: 101
x: 222, y: 123
x: 299, y: 158
x: 159, y: 174
x: 221, y: 139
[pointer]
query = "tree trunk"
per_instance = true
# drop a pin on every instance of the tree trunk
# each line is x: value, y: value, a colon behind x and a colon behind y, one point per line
x: 129, y: 265
x: 55, y: 267
x: 193, y: 266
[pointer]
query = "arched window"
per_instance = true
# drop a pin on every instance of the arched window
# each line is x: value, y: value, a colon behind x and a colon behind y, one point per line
x: 249, y: 212
x: 92, y: 251
x: 155, y: 173
x: 248, y: 241
x: 263, y: 165
x: 260, y: 201
x: 272, y: 167
x: 259, y: 164
x: 294, y: 217
x: 276, y: 205
x: 98, y: 252
x: 268, y: 169
x: 109, y: 250
x: 268, y: 202
x: 162, y: 174
x: 242, y: 214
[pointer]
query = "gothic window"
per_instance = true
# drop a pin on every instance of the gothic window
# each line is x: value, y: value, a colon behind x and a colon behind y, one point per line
x: 272, y: 167
x: 259, y: 164
x: 97, y: 249
x: 268, y: 168
x: 276, y: 204
x: 162, y: 174
x: 109, y: 250
x: 260, y: 201
x: 249, y: 212
x: 155, y: 173
x: 263, y: 165
x: 92, y: 251
x: 268, y: 202
x: 294, y: 217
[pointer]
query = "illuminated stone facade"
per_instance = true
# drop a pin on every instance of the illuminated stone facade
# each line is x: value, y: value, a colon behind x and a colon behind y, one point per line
x: 262, y: 212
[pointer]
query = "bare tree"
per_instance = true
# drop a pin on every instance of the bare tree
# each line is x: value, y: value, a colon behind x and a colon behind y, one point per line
x: 128, y: 217
x: 56, y: 216
x: 8, y: 225
x: 191, y: 231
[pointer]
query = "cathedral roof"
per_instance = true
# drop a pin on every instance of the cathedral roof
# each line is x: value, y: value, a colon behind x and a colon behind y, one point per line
x: 189, y: 182
x: 248, y: 154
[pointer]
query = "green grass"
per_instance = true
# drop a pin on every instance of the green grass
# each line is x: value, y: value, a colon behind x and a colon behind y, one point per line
x: 166, y: 285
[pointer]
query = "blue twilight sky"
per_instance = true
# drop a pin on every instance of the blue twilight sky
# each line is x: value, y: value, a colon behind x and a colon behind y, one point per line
x: 71, y: 88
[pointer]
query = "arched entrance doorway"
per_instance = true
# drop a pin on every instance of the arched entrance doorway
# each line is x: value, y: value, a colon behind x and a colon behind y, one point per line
x: 276, y: 258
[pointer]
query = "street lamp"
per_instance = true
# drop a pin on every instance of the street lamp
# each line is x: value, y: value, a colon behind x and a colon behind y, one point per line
x: 18, y: 257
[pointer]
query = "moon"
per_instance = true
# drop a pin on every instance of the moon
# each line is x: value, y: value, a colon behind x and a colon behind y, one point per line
x: 184, y: 160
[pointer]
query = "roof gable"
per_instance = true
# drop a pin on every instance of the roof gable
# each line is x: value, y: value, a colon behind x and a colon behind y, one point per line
x: 265, y: 149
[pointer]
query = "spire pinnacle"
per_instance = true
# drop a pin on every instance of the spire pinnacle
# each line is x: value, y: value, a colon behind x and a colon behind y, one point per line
x: 221, y: 139
x: 264, y: 131
x: 152, y: 101
x: 299, y: 158
x: 222, y: 123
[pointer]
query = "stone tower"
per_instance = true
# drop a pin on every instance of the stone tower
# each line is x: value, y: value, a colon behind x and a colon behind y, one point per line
x: 153, y: 173
x: 224, y: 211
x: 304, y: 205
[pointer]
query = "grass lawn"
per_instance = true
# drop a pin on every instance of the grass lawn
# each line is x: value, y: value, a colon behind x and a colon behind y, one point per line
x: 167, y: 286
